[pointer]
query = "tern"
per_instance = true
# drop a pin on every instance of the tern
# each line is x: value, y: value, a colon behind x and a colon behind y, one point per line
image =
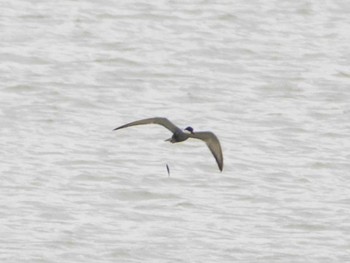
x: 179, y: 136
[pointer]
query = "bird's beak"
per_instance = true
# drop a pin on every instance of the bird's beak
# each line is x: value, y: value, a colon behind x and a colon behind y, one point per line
x: 168, y: 140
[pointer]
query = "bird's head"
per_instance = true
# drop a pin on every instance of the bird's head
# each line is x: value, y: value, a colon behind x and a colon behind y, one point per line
x: 190, y: 129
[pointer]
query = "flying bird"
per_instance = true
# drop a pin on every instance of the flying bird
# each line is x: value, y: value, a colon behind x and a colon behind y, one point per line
x: 179, y: 136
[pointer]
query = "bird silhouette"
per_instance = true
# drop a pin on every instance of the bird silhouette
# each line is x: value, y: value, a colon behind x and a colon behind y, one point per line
x: 179, y: 136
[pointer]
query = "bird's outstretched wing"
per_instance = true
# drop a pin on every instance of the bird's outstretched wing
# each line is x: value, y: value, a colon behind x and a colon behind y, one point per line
x: 213, y: 144
x: 158, y: 120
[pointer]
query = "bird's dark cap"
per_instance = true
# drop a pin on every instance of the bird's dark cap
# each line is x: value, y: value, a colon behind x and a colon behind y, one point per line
x: 189, y: 128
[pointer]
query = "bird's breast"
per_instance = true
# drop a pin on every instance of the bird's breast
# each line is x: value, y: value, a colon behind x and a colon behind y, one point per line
x: 180, y: 136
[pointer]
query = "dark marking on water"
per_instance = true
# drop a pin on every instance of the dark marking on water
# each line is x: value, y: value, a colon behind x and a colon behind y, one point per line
x: 167, y: 167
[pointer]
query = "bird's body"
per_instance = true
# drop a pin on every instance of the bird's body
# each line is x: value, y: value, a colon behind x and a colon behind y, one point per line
x: 179, y: 136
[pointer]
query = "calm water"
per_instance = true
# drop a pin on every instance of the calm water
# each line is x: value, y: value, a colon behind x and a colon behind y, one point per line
x: 270, y: 78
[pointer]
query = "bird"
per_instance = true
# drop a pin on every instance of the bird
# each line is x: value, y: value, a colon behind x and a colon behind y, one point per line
x: 182, y: 135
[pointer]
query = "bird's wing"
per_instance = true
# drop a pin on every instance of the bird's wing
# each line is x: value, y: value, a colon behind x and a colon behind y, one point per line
x: 213, y: 144
x: 161, y: 121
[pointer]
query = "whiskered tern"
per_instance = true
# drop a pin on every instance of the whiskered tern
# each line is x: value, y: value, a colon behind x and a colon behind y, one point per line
x: 179, y: 136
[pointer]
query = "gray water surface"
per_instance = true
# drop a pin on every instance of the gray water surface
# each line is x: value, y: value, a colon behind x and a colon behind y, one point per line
x: 269, y: 78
